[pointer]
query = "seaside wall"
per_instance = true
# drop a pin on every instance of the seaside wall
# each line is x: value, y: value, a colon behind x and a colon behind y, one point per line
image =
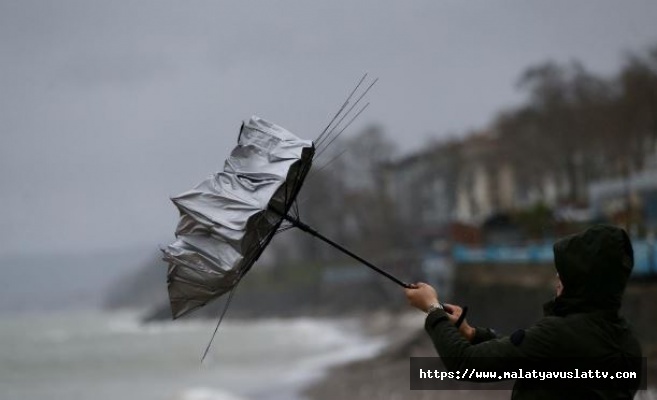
x: 507, y: 297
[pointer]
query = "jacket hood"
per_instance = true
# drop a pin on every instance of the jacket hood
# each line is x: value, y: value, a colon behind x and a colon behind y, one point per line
x: 594, y: 267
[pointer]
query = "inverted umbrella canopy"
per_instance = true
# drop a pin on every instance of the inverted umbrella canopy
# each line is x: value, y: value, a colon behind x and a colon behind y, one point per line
x: 229, y: 218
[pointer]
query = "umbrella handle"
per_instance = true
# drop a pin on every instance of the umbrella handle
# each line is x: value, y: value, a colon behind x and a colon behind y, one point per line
x: 297, y: 223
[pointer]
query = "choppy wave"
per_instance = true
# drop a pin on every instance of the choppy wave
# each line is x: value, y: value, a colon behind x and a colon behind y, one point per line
x: 255, y: 359
x: 203, y: 393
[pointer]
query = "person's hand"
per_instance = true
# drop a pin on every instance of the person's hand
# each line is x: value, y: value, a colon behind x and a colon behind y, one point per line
x: 421, y: 296
x: 454, y: 313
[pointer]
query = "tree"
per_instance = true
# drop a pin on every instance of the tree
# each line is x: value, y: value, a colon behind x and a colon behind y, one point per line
x: 637, y: 107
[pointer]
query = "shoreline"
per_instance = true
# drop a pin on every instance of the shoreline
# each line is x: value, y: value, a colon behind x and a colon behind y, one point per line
x: 386, y: 374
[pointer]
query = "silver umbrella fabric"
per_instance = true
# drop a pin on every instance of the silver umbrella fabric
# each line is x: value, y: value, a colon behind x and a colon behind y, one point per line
x: 228, y: 219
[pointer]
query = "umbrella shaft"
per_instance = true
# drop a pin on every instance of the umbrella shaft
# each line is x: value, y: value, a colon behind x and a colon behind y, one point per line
x: 297, y: 223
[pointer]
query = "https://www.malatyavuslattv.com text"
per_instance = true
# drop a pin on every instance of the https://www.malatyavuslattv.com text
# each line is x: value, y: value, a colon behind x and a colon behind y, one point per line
x: 474, y: 374
x: 430, y: 373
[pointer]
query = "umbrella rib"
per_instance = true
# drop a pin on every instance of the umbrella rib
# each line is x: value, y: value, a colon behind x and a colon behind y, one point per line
x: 343, y: 129
x: 319, y: 143
x: 287, y: 228
x: 312, y: 177
x: 221, y: 318
x: 341, y: 108
x: 297, y: 182
x: 188, y: 282
x: 314, y: 173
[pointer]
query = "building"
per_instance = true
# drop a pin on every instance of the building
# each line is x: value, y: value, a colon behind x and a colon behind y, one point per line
x: 423, y: 186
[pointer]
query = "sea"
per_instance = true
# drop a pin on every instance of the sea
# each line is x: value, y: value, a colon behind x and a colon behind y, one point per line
x: 92, y: 355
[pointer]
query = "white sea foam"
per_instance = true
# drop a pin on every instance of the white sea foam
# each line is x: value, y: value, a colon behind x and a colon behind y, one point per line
x: 131, y: 324
x: 650, y: 394
x: 44, y: 357
x: 204, y: 393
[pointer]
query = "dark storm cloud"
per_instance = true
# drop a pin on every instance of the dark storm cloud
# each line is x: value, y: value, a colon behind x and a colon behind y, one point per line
x: 107, y: 108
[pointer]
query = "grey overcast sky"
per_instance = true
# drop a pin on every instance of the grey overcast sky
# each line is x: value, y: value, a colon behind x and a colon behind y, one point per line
x: 109, y: 107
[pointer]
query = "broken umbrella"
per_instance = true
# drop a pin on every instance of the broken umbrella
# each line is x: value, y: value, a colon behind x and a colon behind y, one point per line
x: 227, y: 221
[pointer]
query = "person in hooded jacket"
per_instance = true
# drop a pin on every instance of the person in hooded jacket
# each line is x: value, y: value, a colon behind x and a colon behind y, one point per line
x: 582, y: 321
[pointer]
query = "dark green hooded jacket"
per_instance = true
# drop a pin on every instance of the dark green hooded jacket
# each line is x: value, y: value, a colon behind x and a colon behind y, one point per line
x: 583, y: 321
